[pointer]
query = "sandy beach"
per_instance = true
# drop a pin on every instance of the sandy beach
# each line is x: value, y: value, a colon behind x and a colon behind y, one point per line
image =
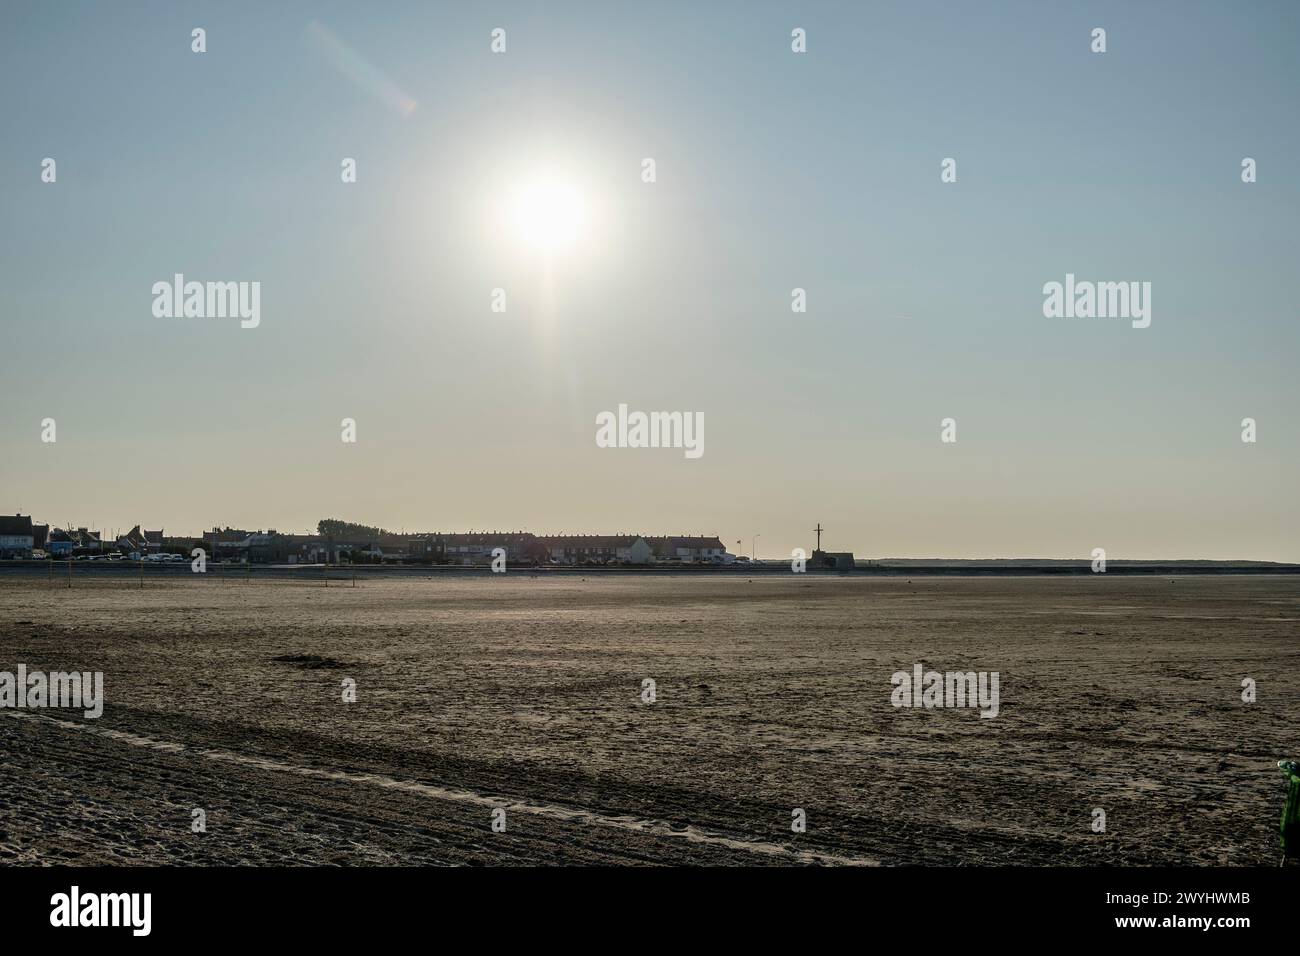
x: 524, y: 693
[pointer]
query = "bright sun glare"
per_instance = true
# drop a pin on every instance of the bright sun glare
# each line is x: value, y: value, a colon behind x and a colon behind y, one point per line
x: 548, y: 214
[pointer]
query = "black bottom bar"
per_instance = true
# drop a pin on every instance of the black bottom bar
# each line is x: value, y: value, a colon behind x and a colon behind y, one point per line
x: 954, y: 906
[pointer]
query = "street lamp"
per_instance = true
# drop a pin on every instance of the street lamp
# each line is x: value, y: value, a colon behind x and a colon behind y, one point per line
x: 753, y: 552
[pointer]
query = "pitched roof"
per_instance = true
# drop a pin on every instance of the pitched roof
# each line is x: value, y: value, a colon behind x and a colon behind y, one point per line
x: 590, y: 540
x: 485, y: 537
x: 133, y: 537
x: 228, y: 535
x: 20, y: 525
x: 693, y: 541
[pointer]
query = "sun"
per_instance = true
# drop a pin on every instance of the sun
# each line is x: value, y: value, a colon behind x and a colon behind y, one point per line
x: 548, y: 214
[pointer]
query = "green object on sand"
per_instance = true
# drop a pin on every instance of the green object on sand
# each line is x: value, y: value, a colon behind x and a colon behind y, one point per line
x: 1291, y: 810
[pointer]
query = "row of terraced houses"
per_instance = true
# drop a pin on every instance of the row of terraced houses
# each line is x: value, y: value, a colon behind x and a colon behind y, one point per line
x: 20, y: 537
x: 520, y: 547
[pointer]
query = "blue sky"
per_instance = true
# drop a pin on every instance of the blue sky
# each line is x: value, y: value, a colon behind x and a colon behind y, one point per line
x: 775, y: 171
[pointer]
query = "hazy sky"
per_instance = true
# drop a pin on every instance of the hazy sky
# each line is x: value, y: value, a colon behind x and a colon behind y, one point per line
x: 775, y: 170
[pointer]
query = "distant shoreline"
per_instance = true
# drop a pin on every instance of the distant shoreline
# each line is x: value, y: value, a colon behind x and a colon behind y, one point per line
x: 58, y: 571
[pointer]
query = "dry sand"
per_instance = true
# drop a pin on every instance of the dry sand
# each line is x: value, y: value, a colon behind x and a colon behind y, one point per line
x: 524, y: 692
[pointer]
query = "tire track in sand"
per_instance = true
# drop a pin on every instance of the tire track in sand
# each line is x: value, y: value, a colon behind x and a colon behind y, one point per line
x: 649, y: 827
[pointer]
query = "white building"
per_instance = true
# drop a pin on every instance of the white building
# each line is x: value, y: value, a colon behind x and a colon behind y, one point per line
x: 16, y: 536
